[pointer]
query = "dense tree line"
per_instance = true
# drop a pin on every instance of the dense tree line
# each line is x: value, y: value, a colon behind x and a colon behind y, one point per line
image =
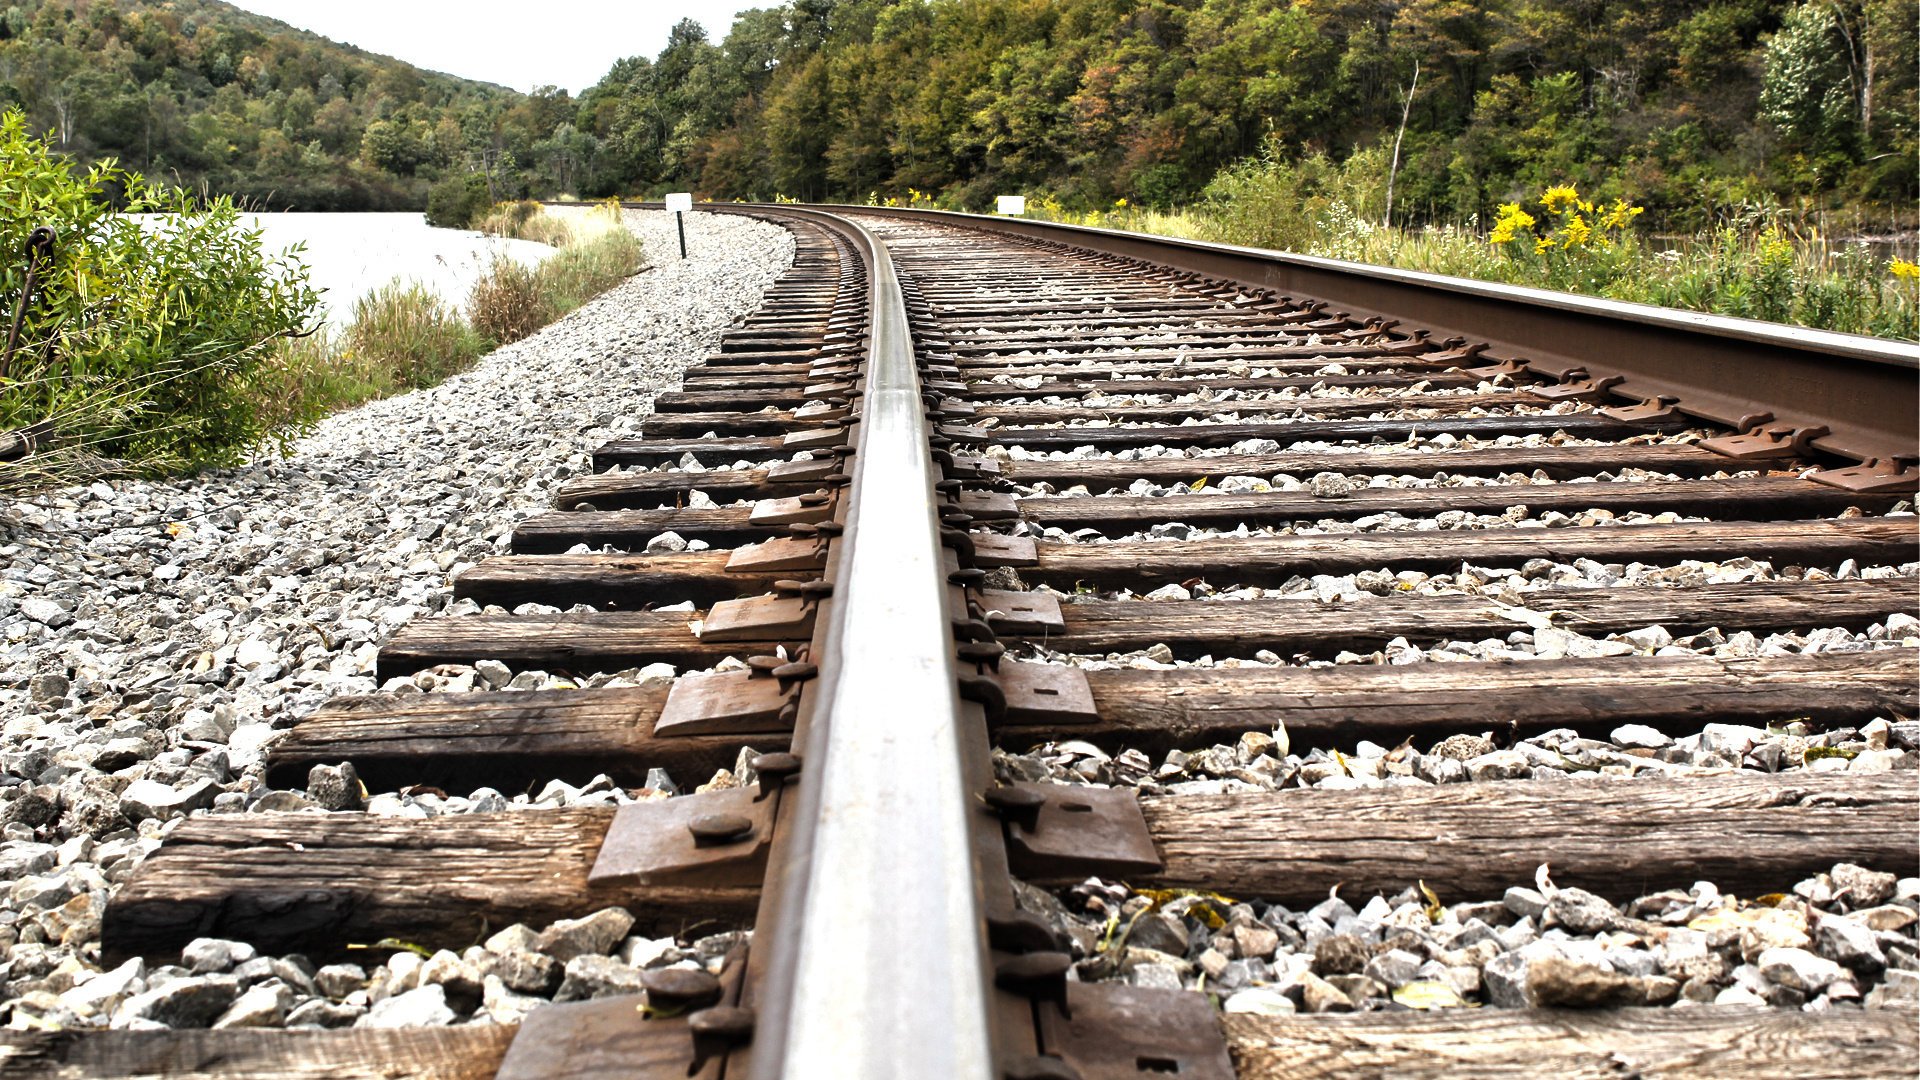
x: 1680, y: 104
x: 1685, y: 106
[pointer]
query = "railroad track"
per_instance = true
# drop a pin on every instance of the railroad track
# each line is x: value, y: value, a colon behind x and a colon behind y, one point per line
x: 977, y: 532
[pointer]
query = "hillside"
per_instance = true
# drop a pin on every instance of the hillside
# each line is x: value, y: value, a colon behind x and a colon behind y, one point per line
x: 207, y: 93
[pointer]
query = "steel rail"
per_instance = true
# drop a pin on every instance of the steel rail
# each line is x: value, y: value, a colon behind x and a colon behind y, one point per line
x: 874, y: 942
x: 1862, y: 390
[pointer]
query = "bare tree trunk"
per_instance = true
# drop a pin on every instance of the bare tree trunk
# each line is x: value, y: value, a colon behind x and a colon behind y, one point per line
x: 1394, y: 172
x: 1866, y: 72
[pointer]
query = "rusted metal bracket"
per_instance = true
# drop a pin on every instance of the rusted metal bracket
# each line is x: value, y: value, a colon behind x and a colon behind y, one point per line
x: 815, y: 471
x: 1456, y: 351
x: 748, y: 702
x: 1876, y: 476
x: 815, y: 439
x: 759, y: 618
x: 822, y: 414
x: 1058, y: 832
x: 1016, y: 693
x: 781, y: 553
x: 1371, y: 328
x: 681, y: 1029
x: 1511, y: 369
x: 995, y: 549
x: 1020, y: 614
x: 1112, y: 1031
x: 987, y: 506
x: 1653, y: 408
x: 1765, y: 443
x: 814, y: 506
x: 711, y: 839
x: 1578, y: 389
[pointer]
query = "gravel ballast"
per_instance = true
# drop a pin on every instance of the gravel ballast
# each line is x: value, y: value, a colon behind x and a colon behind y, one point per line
x: 157, y: 636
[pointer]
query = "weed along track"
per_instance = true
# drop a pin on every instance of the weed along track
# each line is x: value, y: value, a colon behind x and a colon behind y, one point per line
x: 1117, y: 658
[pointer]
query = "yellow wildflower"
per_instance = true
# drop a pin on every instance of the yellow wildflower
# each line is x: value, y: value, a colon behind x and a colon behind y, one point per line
x: 1511, y: 220
x: 1559, y: 198
x: 1577, y: 232
x: 1119, y: 204
x: 1620, y: 215
x: 1904, y: 270
x: 1542, y: 245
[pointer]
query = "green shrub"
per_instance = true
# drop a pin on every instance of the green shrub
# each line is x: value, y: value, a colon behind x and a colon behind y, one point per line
x: 148, y: 340
x: 457, y: 202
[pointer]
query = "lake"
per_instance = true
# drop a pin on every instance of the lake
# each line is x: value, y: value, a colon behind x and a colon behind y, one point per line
x: 350, y: 255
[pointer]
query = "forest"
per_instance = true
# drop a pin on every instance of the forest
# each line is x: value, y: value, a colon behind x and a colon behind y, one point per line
x: 1686, y: 109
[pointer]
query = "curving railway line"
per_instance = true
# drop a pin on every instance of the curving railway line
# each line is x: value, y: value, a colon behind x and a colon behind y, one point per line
x: 992, y: 517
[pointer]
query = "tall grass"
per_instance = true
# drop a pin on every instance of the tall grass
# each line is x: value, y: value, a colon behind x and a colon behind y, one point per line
x: 1758, y: 263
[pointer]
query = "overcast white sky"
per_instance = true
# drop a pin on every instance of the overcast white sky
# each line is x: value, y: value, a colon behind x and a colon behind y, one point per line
x: 565, y: 43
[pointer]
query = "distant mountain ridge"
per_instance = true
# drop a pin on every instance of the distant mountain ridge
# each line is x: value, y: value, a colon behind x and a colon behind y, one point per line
x: 209, y: 94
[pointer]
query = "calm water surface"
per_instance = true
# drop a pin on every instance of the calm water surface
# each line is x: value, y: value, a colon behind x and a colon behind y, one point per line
x: 350, y: 255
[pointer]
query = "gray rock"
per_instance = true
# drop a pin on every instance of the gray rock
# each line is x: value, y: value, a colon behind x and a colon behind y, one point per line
x: 596, y: 935
x: 1798, y: 969
x: 1156, y: 976
x: 45, y: 612
x: 529, y: 972
x: 319, y: 1013
x: 1848, y: 942
x: 1525, y: 903
x: 1499, y: 765
x: 643, y: 952
x: 423, y: 1006
x: 151, y: 799
x: 105, y: 991
x: 204, y: 956
x: 1358, y: 988
x: 592, y: 976
x: 1259, y: 1001
x: 1505, y: 978
x: 1159, y: 931
x: 1864, y: 888
x: 1462, y: 748
x: 1255, y: 942
x: 192, y: 1001
x: 1340, y: 954
x: 338, y: 980
x: 1581, y: 912
x: 19, y: 858
x: 1901, y: 990
x: 117, y: 754
x: 264, y: 1005
x: 1395, y: 967
x: 47, y: 690
x: 336, y: 787
x: 1640, y: 737
x: 461, y: 979
x: 503, y: 1006
x: 1318, y: 995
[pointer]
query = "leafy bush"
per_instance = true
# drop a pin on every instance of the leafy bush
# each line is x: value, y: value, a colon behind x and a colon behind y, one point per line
x: 457, y: 202
x: 149, y: 335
